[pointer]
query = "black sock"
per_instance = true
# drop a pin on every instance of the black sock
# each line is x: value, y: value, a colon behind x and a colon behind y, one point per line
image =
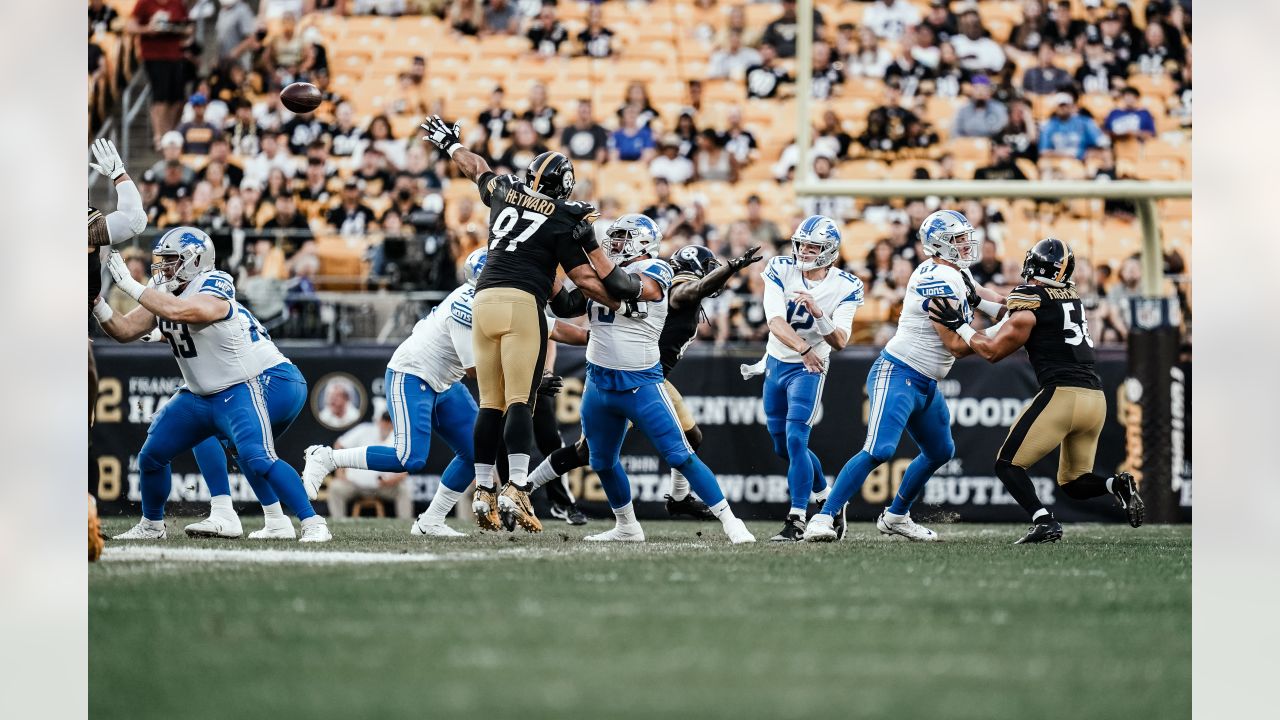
x: 517, y: 433
x: 1086, y: 486
x: 1018, y: 483
x: 566, y: 459
x: 487, y: 435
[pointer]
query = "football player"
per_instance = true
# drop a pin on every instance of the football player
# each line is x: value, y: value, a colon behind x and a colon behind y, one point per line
x: 533, y: 227
x: 698, y: 275
x: 625, y: 384
x: 809, y: 307
x: 237, y: 383
x: 902, y: 386
x: 1046, y: 317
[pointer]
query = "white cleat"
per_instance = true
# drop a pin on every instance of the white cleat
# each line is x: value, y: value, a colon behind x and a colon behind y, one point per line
x: 738, y: 532
x: 215, y: 526
x: 278, y: 529
x: 319, y: 463
x: 904, y: 526
x: 821, y: 528
x: 144, y: 530
x: 316, y: 532
x: 432, y: 529
x: 619, y: 533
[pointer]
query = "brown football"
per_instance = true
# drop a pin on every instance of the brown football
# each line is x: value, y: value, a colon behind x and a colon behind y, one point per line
x: 301, y: 97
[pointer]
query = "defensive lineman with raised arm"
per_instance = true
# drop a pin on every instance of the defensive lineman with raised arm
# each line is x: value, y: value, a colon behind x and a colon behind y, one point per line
x: 1046, y: 316
x: 237, y: 383
x: 902, y: 386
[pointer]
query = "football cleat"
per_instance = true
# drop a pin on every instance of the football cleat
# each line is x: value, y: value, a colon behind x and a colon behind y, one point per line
x: 619, y: 533
x: 316, y: 532
x: 568, y: 513
x: 904, y: 526
x: 485, y: 506
x: 738, y: 532
x: 839, y: 523
x: 514, y: 501
x: 275, y: 529
x: 215, y: 526
x: 821, y: 528
x: 422, y: 526
x: 318, y: 466
x: 144, y: 530
x: 792, y: 530
x: 1049, y: 531
x: 689, y: 506
x: 1126, y: 491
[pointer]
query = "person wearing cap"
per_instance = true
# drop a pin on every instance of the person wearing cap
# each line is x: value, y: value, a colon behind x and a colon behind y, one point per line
x: 1067, y: 133
x: 1097, y: 75
x: 982, y: 116
x: 670, y: 164
x: 1045, y: 78
x: 351, y: 216
x: 940, y: 20
x: 198, y: 133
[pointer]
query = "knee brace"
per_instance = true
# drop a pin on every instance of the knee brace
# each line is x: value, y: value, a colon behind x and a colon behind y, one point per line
x: 694, y: 436
x: 584, y: 455
x: 258, y: 463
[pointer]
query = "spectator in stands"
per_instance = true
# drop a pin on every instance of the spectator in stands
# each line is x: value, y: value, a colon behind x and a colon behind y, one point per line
x: 838, y: 207
x: 889, y: 19
x: 1046, y: 78
x: 693, y: 226
x: 730, y: 61
x: 1106, y: 326
x: 737, y: 139
x: 380, y: 138
x: 631, y: 141
x: 234, y: 32
x: 1130, y: 120
x: 948, y: 79
x: 97, y: 60
x: 284, y: 50
x: 982, y: 116
x: 1097, y: 75
x: 828, y: 75
x: 410, y: 97
x: 251, y: 196
x: 585, y: 139
x: 500, y: 18
x: 712, y: 161
x: 525, y: 146
x: 496, y: 118
x: 1021, y: 133
x: 351, y: 216
x: 940, y: 20
x: 171, y: 152
x: 198, y: 134
x: 313, y: 189
x: 737, y: 23
x: 345, y: 137
x: 670, y: 164
x: 1002, y: 165
x: 906, y: 73
x: 288, y: 227
x: 879, y: 262
x: 977, y: 51
x: 1067, y: 133
x: 1121, y: 42
x: 687, y: 133
x: 762, y: 230
x: 866, y: 57
x: 350, y: 483
x: 1028, y: 36
x: 275, y: 154
x: 539, y: 114
x: 830, y: 128
x: 765, y: 80
x: 162, y: 30
x: 595, y: 40
x: 989, y: 270
x: 277, y: 184
x: 920, y: 135
x: 886, y: 128
x: 1127, y: 285
x: 663, y: 211
x: 546, y: 33
x: 467, y: 16
x: 781, y: 32
x: 373, y: 172
x: 1064, y: 32
x: 1159, y: 56
x: 102, y: 18
x: 637, y: 97
x: 693, y: 96
x: 303, y: 130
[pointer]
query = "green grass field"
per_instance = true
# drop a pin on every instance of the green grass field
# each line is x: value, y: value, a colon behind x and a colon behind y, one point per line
x: 685, y: 626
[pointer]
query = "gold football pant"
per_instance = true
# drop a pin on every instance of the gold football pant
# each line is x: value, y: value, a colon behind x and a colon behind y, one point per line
x: 1070, y: 417
x: 510, y: 343
x: 682, y: 412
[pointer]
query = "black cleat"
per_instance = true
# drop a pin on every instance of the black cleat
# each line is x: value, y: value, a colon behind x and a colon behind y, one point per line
x: 839, y: 524
x: 690, y: 506
x: 1126, y: 491
x: 792, y: 530
x: 568, y: 513
x: 1049, y: 531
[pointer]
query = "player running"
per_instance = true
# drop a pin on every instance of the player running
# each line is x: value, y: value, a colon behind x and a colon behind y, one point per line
x: 810, y: 307
x: 532, y: 229
x: 902, y: 385
x: 1047, y: 318
x: 625, y: 385
x: 237, y: 383
x: 698, y: 276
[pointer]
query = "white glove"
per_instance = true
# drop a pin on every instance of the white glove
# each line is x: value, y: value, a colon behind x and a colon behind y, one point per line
x: 153, y: 336
x: 120, y: 274
x: 109, y: 162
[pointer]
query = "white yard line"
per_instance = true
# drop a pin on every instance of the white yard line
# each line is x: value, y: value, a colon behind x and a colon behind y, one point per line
x: 153, y: 553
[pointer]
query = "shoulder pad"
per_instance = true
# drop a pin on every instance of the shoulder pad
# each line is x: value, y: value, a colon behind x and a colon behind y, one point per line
x: 682, y: 278
x: 219, y: 284
x: 777, y: 268
x: 1024, y: 297
x: 659, y: 270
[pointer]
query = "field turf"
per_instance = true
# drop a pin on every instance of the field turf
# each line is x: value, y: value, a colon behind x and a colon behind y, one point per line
x: 685, y: 626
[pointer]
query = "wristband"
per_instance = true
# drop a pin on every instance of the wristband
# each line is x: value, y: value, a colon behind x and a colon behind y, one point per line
x: 132, y: 287
x: 966, y: 333
x: 824, y: 326
x: 990, y: 307
x: 103, y: 312
x: 453, y: 149
x: 807, y: 351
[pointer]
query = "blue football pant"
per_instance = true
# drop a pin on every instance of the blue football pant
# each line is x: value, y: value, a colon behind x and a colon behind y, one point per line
x: 791, y: 396
x: 416, y: 410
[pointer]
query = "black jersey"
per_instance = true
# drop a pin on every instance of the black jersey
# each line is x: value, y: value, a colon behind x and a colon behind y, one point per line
x: 680, y: 327
x: 1060, y: 347
x: 529, y: 234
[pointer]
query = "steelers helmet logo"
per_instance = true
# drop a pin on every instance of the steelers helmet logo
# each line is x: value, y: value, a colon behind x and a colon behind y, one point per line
x: 688, y: 252
x: 566, y: 181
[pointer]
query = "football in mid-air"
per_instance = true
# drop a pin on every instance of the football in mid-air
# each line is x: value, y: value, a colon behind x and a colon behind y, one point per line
x: 301, y: 97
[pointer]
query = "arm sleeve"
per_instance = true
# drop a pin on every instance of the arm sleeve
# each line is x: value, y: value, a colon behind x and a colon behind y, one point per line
x: 130, y: 218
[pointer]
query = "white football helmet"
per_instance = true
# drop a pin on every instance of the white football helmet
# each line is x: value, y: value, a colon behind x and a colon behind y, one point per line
x: 821, y: 232
x: 474, y: 264
x: 631, y: 236
x: 181, y: 254
x: 948, y: 235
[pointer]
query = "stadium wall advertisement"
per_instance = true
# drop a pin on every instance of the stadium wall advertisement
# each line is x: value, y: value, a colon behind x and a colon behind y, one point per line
x: 345, y: 386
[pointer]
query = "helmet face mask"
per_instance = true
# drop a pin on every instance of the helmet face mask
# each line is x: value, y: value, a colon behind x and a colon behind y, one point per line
x: 947, y: 235
x: 551, y: 174
x: 180, y: 255
x: 631, y: 236
x: 164, y: 272
x: 815, y: 243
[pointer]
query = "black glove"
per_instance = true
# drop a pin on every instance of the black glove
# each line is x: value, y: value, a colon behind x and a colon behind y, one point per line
x: 636, y: 309
x: 441, y: 135
x: 944, y: 313
x: 971, y: 291
x: 748, y: 257
x: 584, y: 234
x: 551, y: 385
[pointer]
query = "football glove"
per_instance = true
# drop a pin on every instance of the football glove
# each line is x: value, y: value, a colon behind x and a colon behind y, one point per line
x: 584, y: 234
x: 109, y: 162
x: 120, y: 274
x: 747, y: 258
x: 447, y: 138
x: 635, y: 309
x: 945, y: 314
x: 551, y: 385
x: 970, y: 290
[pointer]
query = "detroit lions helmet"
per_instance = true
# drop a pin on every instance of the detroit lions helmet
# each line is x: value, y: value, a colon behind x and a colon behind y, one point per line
x: 947, y: 234
x: 182, y: 254
x: 474, y: 264
x: 821, y: 232
x: 631, y: 236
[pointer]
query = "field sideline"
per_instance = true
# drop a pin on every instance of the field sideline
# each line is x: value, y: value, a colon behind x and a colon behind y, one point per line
x: 1097, y: 626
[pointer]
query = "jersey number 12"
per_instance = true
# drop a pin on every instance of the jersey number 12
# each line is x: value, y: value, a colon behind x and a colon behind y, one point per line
x: 507, y: 220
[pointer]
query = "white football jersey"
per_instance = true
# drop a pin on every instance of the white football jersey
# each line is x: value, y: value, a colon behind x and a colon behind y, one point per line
x: 839, y: 295
x: 916, y: 342
x: 214, y: 356
x: 619, y: 342
x: 439, y: 349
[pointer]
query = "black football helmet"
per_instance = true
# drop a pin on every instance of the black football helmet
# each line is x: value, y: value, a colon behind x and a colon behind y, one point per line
x: 551, y: 174
x: 1051, y: 262
x: 694, y: 259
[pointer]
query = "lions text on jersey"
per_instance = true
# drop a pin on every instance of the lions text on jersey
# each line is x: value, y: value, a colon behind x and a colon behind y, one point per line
x: 839, y: 295
x: 916, y: 342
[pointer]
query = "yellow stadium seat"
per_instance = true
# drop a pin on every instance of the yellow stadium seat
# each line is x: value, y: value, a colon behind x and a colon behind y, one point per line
x: 1155, y: 85
x: 863, y: 170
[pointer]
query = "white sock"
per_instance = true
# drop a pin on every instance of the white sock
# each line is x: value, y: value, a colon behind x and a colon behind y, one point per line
x: 721, y: 511
x: 314, y: 520
x: 441, y: 504
x: 159, y: 524
x: 351, y: 458
x: 1109, y: 481
x: 821, y: 496
x: 273, y: 512
x: 519, y: 469
x: 542, y: 474
x: 679, y: 485
x: 893, y: 515
x: 1039, y: 513
x: 220, y: 505
x: 484, y: 475
x: 626, y: 515
x: 797, y: 512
